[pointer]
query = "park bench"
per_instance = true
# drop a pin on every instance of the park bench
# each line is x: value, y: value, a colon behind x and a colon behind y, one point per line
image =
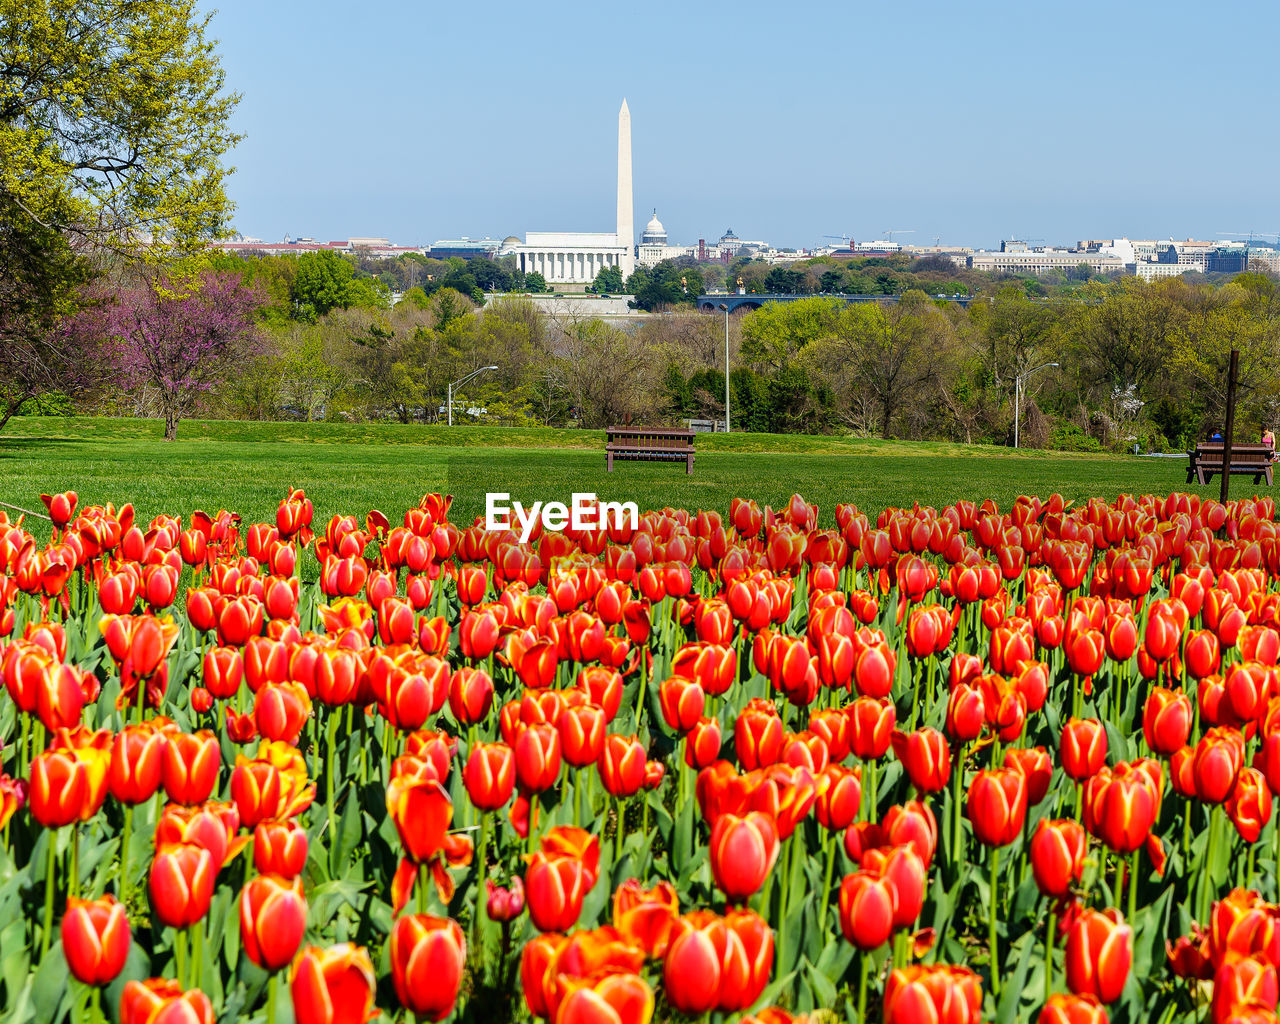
x: 1249, y: 459
x: 648, y: 444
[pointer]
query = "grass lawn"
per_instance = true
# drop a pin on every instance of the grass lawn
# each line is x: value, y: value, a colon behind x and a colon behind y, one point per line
x: 247, y: 467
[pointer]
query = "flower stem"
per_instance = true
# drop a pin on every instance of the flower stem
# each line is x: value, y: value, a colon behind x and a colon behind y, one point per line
x: 331, y: 723
x: 991, y: 923
x: 126, y: 834
x: 50, y: 866
x: 271, y: 997
x: 1049, y: 941
x: 1133, y: 886
x: 830, y: 844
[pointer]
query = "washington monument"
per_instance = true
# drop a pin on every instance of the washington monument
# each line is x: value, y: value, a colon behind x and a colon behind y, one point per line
x: 626, y: 226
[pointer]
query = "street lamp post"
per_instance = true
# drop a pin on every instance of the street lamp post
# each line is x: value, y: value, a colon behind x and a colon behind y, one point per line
x: 459, y: 383
x: 1017, y: 393
x: 725, y: 307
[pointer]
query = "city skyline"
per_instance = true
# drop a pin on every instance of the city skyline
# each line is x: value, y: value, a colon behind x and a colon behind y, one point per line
x: 1007, y: 123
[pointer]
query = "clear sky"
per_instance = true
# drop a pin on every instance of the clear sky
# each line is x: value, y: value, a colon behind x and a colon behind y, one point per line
x: 785, y: 121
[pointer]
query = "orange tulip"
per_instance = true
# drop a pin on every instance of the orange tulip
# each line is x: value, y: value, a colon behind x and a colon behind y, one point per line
x: 190, y: 766
x: 1098, y: 954
x: 742, y: 851
x: 182, y: 878
x: 161, y: 1001
x: 490, y: 775
x: 1058, y: 850
x: 333, y: 986
x: 280, y: 848
x: 646, y: 917
x: 622, y: 765
x: 428, y: 955
x: 867, y: 906
x: 997, y: 804
x: 95, y: 939
x: 273, y: 918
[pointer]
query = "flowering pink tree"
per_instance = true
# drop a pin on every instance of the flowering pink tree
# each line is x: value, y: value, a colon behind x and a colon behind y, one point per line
x: 180, y: 337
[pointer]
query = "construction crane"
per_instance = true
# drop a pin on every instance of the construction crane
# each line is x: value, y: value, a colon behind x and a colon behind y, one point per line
x: 844, y: 238
x: 890, y: 232
x: 1252, y: 235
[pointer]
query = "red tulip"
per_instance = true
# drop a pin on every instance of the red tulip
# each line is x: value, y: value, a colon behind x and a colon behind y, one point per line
x: 742, y: 851
x: 273, y: 918
x: 190, y: 766
x: 646, y: 917
x: 1166, y: 720
x: 182, y: 878
x: 758, y: 734
x: 537, y: 757
x: 95, y: 939
x: 1068, y: 1008
x: 941, y: 993
x: 998, y: 805
x: 867, y: 905
x: 870, y: 727
x: 1098, y: 954
x: 583, y: 731
x: 1082, y: 747
x: 280, y: 848
x: 926, y: 757
x: 161, y: 1001
x: 137, y: 757
x: 490, y: 775
x: 622, y: 765
x: 428, y: 955
x: 1034, y: 763
x: 1218, y: 759
x: 1057, y: 853
x: 333, y: 986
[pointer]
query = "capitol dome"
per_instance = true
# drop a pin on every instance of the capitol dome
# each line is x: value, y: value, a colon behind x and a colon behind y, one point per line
x: 654, y: 232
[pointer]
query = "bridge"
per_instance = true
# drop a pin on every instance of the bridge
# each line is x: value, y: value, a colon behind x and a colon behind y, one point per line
x: 744, y: 303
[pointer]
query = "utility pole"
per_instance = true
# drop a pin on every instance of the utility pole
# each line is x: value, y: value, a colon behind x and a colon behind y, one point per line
x: 1229, y: 429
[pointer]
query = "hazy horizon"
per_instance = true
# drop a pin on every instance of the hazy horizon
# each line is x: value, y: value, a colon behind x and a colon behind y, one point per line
x: 1008, y: 121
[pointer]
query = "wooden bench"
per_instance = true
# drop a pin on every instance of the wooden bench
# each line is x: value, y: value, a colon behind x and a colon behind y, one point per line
x: 1247, y: 459
x: 648, y: 444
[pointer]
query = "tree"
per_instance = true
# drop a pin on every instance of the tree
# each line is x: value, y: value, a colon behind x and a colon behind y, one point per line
x: 112, y: 127
x: 178, y: 337
x: 40, y: 352
x: 535, y: 283
x: 113, y: 122
x: 327, y: 280
x: 608, y: 280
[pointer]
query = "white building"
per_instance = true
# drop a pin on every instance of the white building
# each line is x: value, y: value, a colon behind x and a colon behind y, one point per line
x: 575, y: 257
x: 1149, y: 270
x: 1042, y: 261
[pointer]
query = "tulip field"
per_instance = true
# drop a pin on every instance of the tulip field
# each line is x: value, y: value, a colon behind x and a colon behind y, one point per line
x: 975, y: 762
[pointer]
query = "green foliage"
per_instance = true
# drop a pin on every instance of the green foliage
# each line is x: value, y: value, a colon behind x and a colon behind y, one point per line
x: 666, y: 284
x: 327, y: 280
x: 114, y: 121
x: 535, y: 283
x: 608, y: 281
x: 1068, y: 437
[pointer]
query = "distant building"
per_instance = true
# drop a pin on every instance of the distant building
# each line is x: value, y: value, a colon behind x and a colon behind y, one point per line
x: 653, y: 247
x: 1148, y: 270
x: 1033, y: 261
x: 466, y: 248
